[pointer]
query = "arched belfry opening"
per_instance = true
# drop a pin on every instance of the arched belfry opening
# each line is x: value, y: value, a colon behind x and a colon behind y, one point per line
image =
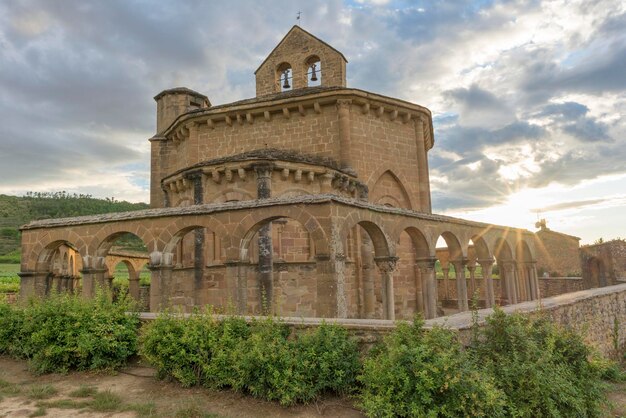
x: 313, y: 68
x: 284, y: 77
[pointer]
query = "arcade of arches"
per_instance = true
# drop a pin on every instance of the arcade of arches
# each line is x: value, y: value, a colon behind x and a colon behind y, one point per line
x: 311, y: 202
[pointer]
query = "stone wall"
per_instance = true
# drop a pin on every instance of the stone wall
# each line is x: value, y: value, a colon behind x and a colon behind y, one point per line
x: 557, y: 253
x: 597, y: 314
x: 553, y: 286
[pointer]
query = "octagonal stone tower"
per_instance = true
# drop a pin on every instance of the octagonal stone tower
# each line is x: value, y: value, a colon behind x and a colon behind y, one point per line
x: 323, y: 138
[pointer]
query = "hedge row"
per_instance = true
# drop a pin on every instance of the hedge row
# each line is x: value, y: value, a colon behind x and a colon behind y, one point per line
x: 515, y: 366
x: 65, y: 332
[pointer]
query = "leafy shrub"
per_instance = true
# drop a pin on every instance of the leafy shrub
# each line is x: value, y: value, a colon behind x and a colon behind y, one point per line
x: 258, y: 358
x: 11, y: 322
x: 425, y: 373
x: 65, y: 332
x: 543, y: 370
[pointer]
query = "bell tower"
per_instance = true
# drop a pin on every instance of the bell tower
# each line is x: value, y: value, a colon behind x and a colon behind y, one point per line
x: 300, y: 60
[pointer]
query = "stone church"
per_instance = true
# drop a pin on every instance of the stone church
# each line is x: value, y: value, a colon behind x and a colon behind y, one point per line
x: 311, y: 199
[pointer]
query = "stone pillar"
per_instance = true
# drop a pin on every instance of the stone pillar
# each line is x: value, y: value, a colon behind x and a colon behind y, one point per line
x: 472, y: 290
x: 345, y: 153
x: 509, y: 277
x: 386, y: 266
x: 422, y: 167
x: 367, y: 263
x: 419, y: 289
x: 266, y: 273
x: 133, y: 286
x: 490, y: 297
x: 160, y: 280
x: 331, y: 293
x: 32, y: 284
x: 461, y: 284
x: 446, y: 278
x: 531, y: 270
x: 237, y: 284
x: 429, y: 283
x: 522, y: 281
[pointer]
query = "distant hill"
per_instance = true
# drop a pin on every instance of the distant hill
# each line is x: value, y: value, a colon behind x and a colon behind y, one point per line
x: 16, y: 211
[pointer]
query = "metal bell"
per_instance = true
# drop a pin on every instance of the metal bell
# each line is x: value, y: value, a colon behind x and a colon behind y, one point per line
x: 313, y: 73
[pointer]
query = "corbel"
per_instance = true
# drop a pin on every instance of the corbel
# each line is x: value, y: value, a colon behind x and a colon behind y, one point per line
x: 250, y: 118
x: 406, y: 118
x: 380, y: 111
x: 311, y: 176
x: 267, y: 116
x: 317, y: 107
x: 393, y: 115
x: 301, y: 110
x: 239, y: 119
x: 297, y: 176
x: 286, y: 112
x: 210, y: 123
x: 366, y: 108
x: 285, y: 174
x: 241, y: 172
x: 228, y: 174
x: 215, y: 175
x: 228, y: 120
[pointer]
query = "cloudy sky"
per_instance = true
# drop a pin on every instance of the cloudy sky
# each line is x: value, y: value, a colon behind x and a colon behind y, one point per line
x: 528, y: 97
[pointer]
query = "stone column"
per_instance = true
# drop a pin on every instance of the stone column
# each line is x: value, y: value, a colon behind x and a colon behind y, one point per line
x: 386, y: 266
x: 419, y: 289
x: 266, y: 271
x: 345, y: 152
x: 133, y: 286
x: 331, y: 293
x: 509, y: 277
x: 522, y: 282
x: 472, y: 290
x: 367, y: 265
x: 446, y: 278
x: 160, y: 280
x: 490, y: 297
x: 461, y: 284
x: 531, y: 269
x: 422, y: 167
x: 429, y: 283
x: 237, y: 284
x: 32, y: 284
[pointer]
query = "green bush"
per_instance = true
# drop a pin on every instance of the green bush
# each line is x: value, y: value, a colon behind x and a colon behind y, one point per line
x: 64, y: 332
x: 543, y: 370
x: 11, y: 322
x: 259, y: 358
x: 425, y: 373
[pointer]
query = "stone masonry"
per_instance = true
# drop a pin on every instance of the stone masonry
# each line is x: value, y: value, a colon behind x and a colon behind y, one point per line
x: 311, y: 199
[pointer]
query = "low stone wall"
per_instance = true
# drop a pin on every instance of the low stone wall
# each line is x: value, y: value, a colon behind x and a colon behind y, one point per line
x: 552, y: 286
x: 598, y: 314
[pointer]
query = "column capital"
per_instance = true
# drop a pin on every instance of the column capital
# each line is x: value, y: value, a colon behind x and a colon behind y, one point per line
x: 263, y: 169
x: 160, y: 260
x: 460, y: 262
x: 427, y: 263
x: 344, y: 104
x: 386, y: 264
x: 485, y: 262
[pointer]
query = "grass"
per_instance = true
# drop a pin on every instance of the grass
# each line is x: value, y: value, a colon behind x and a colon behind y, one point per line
x: 83, y: 392
x: 9, y: 280
x: 41, y: 391
x: 121, y: 276
x: 106, y: 401
x: 64, y: 404
x: 39, y: 412
x: 194, y: 412
x: 143, y: 410
x: 8, y: 389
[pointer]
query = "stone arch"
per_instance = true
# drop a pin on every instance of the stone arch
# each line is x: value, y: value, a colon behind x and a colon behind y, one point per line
x: 107, y: 235
x: 481, y: 248
x: 284, y: 69
x: 401, y: 178
x: 372, y: 223
x: 294, y: 191
x: 389, y: 190
x: 238, y: 239
x: 502, y: 250
x: 51, y: 237
x: 596, y: 276
x: 455, y: 249
x: 523, y: 253
x: 307, y: 65
x: 178, y: 228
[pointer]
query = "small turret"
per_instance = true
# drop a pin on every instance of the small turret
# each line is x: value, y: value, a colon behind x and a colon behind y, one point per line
x: 174, y: 102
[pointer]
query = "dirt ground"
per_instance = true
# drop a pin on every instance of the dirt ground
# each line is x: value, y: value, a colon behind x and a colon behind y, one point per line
x: 137, y: 393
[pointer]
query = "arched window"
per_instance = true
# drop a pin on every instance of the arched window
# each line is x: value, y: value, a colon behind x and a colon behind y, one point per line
x: 313, y: 71
x: 284, y: 77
